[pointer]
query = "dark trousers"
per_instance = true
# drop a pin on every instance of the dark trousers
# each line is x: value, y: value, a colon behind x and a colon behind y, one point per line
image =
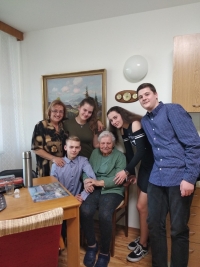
x: 106, y: 203
x: 64, y: 231
x: 162, y: 200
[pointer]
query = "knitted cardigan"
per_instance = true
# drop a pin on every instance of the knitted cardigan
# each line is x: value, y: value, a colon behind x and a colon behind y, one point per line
x: 115, y: 162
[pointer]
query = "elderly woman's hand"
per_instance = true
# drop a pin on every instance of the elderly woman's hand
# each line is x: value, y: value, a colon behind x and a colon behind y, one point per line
x: 89, y: 185
x: 120, y: 177
x: 58, y: 161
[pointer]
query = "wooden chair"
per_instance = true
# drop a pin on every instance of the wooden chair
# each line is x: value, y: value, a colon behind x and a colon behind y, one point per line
x: 31, y: 241
x: 120, y: 212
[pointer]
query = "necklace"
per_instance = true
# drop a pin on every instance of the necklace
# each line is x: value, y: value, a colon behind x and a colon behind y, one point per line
x: 81, y: 124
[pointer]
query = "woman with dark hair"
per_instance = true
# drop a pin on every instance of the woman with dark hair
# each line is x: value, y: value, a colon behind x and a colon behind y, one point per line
x: 85, y: 126
x: 128, y: 125
x: 49, y: 138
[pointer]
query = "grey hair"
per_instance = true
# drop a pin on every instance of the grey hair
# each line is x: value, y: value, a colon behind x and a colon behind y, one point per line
x: 105, y: 134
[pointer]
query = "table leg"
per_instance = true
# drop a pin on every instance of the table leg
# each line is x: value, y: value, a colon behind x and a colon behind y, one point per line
x: 73, y: 241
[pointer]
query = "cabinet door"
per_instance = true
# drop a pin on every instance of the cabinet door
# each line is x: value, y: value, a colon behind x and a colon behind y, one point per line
x: 186, y: 72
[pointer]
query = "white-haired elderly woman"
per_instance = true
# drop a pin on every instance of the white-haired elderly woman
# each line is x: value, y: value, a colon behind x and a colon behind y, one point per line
x: 106, y: 195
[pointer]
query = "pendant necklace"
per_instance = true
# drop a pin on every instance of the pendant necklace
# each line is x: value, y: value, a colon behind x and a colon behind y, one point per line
x: 81, y: 125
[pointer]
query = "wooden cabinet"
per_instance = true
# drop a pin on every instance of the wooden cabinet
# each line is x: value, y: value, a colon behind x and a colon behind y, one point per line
x: 186, y: 72
x: 194, y: 226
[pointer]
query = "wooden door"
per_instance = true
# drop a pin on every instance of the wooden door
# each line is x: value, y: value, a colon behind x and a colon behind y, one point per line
x: 186, y: 72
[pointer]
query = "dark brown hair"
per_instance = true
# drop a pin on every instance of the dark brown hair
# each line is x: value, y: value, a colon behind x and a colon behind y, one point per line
x: 144, y: 85
x: 54, y: 103
x: 127, y: 117
x: 93, y: 119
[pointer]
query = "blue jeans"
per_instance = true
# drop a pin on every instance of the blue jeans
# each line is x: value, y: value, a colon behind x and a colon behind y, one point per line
x: 162, y: 200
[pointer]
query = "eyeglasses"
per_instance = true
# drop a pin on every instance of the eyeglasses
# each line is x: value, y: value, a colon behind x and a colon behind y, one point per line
x: 57, y: 111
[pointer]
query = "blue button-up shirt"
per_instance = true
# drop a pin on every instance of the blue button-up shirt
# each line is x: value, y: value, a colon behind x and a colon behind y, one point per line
x: 70, y: 174
x: 175, y: 143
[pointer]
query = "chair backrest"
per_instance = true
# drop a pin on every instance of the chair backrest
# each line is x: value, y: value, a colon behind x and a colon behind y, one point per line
x: 31, y: 241
x: 17, y: 173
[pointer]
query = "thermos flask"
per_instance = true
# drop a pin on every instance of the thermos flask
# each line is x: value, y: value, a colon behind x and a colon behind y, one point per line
x: 27, y: 169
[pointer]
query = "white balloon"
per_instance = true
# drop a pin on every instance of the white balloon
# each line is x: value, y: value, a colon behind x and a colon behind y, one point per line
x: 135, y: 68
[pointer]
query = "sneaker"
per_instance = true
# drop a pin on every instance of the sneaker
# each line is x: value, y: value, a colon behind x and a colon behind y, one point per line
x: 132, y: 246
x: 139, y: 253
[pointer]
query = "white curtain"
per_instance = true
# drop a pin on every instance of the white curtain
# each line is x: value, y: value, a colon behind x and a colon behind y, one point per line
x: 12, y: 141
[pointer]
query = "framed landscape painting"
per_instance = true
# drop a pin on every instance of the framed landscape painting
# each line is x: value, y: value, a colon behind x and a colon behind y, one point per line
x: 72, y: 88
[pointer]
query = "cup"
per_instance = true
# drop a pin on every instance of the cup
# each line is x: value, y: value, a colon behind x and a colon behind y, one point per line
x: 9, y: 187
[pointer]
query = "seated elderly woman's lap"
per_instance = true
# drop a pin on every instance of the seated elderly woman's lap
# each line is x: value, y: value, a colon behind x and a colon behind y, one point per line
x: 105, y: 203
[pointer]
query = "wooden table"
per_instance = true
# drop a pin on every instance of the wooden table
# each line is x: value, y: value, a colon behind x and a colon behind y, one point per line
x: 24, y: 206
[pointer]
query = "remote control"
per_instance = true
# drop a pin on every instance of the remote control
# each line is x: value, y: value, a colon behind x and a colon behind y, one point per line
x: 2, y: 202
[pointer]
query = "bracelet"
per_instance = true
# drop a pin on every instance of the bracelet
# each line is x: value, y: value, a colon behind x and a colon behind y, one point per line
x: 127, y: 172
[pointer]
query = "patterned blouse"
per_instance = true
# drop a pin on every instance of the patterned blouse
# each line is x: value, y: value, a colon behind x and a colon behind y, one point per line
x: 45, y: 137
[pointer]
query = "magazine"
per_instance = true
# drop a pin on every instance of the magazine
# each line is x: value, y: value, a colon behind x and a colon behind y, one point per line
x: 47, y: 192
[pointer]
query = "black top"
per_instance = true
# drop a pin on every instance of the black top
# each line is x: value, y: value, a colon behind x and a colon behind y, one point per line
x: 143, y: 150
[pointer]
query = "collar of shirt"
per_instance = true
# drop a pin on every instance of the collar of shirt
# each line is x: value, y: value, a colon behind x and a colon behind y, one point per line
x: 69, y: 160
x: 155, y: 111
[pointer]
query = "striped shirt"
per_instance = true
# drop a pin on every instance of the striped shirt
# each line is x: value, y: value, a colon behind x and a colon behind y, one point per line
x: 175, y: 143
x: 70, y: 174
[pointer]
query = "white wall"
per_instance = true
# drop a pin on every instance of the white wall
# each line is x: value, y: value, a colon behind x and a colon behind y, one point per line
x: 106, y: 44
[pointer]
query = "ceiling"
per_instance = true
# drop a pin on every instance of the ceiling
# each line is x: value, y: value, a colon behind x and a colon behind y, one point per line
x: 32, y: 15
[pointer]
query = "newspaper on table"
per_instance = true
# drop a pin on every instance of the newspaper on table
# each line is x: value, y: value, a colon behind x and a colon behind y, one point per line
x: 47, y: 192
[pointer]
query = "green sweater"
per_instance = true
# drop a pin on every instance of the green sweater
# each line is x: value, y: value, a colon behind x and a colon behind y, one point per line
x: 105, y: 168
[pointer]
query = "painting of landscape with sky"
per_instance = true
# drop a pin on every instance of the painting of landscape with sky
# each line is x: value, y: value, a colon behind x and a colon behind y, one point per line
x: 72, y: 90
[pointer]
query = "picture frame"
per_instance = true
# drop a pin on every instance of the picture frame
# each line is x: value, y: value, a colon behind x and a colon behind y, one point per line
x: 72, y: 88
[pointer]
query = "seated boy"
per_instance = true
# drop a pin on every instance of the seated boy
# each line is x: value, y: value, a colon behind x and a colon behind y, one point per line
x: 70, y: 174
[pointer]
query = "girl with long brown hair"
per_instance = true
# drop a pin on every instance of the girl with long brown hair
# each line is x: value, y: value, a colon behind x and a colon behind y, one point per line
x: 85, y: 126
x: 128, y: 125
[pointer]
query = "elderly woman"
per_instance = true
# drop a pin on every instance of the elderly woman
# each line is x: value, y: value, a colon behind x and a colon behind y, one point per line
x: 49, y: 138
x: 106, y: 162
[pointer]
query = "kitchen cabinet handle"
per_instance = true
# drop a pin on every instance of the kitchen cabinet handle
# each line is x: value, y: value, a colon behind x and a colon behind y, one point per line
x: 193, y: 214
x: 192, y: 233
x: 196, y: 106
x: 191, y: 250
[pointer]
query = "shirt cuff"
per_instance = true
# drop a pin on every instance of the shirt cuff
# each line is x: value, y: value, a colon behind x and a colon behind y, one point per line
x: 84, y: 195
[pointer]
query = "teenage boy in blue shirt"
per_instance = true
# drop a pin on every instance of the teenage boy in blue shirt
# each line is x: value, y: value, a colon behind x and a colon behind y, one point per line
x: 176, y: 148
x: 70, y: 174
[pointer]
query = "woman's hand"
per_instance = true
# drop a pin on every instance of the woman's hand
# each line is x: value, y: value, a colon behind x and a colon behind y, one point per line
x: 100, y: 126
x: 88, y: 185
x: 58, y: 161
x: 132, y: 179
x: 120, y: 177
